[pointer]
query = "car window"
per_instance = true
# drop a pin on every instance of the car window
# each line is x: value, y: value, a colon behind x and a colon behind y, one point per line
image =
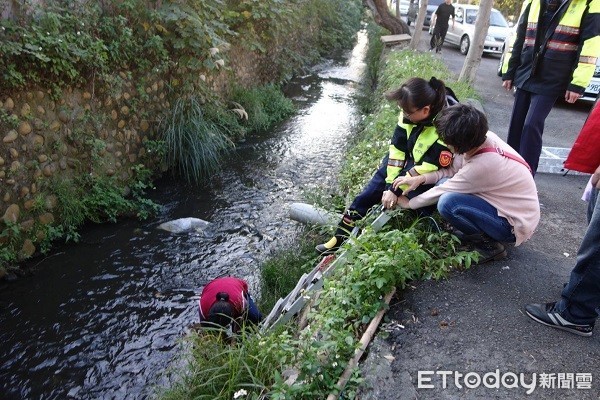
x: 496, y: 19
x: 471, y: 17
x: 458, y: 15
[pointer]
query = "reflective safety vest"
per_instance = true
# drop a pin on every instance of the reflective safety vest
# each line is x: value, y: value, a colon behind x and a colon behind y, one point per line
x: 576, y: 37
x: 428, y: 153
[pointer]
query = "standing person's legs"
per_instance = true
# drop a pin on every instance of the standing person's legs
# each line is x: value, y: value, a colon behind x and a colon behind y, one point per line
x: 531, y: 141
x: 533, y: 127
x: 433, y: 40
x: 581, y: 296
x: 517, y: 118
x: 576, y: 312
x: 442, y: 38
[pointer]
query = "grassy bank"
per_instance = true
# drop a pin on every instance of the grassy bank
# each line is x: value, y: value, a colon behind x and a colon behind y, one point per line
x: 287, y: 364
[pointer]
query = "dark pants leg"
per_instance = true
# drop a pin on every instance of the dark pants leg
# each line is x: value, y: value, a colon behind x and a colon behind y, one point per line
x: 254, y: 314
x: 437, y: 38
x: 581, y: 297
x: 527, y: 125
x: 441, y: 38
x: 372, y: 193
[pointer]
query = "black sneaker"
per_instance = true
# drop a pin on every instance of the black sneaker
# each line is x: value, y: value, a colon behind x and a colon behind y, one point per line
x: 545, y: 314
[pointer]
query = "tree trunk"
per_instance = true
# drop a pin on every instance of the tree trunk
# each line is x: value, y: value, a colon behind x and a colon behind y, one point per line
x: 414, y: 42
x: 383, y: 17
x: 473, y: 59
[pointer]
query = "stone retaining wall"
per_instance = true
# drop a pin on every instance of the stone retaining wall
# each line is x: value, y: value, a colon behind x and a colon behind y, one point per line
x: 99, y: 129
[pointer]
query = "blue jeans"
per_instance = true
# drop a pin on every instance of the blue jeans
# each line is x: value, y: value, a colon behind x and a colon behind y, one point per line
x: 473, y: 215
x: 527, y: 125
x: 581, y: 296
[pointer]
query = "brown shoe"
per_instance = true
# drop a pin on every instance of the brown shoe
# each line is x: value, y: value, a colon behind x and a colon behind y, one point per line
x: 488, y: 248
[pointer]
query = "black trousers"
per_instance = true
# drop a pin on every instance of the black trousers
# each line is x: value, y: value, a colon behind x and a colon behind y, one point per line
x: 439, y: 35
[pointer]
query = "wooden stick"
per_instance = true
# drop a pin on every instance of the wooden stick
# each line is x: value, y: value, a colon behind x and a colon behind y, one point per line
x: 364, y: 342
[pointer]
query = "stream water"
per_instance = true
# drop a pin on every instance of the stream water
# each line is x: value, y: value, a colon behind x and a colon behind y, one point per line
x: 102, y: 319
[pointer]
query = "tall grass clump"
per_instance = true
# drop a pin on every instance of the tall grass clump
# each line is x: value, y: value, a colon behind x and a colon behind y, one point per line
x: 265, y: 106
x: 194, y: 143
x: 220, y: 369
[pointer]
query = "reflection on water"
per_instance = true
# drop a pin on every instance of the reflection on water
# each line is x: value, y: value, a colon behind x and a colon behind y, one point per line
x: 102, y: 318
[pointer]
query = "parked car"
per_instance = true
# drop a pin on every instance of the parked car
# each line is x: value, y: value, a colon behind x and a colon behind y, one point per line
x: 413, y: 11
x: 592, y: 90
x: 404, y: 5
x: 462, y: 31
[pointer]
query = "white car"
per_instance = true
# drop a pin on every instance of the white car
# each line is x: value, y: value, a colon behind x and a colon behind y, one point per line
x: 403, y: 6
x: 461, y: 34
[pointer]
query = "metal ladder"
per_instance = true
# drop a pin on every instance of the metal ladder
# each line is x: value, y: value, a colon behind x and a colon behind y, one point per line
x: 286, y: 308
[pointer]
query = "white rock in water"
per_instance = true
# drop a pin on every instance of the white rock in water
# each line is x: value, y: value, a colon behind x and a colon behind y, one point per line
x: 184, y: 225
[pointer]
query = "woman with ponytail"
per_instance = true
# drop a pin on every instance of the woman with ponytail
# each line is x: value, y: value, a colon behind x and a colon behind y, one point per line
x: 225, y: 302
x: 415, y: 149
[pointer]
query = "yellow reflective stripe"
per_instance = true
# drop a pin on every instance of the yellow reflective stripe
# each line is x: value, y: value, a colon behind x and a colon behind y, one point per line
x: 562, y: 46
x: 532, y: 25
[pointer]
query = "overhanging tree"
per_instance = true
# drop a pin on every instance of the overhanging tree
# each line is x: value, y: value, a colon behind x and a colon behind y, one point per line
x: 383, y: 17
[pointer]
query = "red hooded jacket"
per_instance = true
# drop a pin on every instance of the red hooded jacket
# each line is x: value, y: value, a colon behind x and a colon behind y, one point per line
x: 585, y: 154
x: 234, y: 287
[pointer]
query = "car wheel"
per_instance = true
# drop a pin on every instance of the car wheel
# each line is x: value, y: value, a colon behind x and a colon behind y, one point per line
x: 464, y: 44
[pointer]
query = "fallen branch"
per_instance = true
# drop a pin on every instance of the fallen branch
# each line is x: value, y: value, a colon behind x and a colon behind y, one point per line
x: 364, y: 342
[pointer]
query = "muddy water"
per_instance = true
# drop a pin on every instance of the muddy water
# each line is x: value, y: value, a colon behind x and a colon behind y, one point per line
x: 102, y: 319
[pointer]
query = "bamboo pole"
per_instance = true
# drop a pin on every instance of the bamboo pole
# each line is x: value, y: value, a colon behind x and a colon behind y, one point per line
x: 364, y: 342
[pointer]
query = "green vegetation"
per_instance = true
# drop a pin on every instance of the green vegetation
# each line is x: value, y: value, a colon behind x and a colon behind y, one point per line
x: 286, y: 364
x: 104, y: 46
x: 63, y: 44
x: 194, y: 144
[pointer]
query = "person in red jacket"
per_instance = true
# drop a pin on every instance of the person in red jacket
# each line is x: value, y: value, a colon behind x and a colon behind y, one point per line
x: 577, y: 310
x: 226, y: 302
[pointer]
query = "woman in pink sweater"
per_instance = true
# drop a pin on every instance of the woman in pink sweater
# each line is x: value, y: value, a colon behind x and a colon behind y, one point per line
x: 490, y: 197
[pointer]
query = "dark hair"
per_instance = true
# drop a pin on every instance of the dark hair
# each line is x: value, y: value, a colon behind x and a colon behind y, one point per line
x: 462, y: 126
x: 417, y: 93
x: 221, y: 312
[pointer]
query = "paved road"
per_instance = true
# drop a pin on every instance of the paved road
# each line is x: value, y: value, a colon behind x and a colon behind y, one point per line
x: 474, y: 321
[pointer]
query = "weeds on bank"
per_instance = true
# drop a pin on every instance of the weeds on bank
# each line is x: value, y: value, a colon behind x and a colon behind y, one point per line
x: 286, y: 364
x: 197, y: 133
